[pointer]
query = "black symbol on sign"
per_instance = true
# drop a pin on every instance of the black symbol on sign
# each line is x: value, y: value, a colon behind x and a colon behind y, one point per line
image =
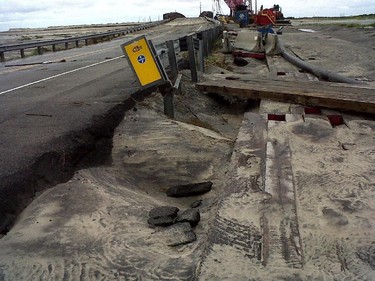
x: 137, y: 49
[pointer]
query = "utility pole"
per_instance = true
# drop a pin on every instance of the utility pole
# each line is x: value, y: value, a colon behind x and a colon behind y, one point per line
x: 200, y: 7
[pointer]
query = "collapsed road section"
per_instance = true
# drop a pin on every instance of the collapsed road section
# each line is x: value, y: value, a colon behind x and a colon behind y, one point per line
x: 54, y: 115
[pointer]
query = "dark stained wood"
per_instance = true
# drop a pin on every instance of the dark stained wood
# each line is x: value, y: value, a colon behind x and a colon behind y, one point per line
x: 316, y: 93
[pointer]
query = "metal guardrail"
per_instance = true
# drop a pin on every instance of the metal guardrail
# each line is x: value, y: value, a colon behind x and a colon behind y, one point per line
x: 21, y: 47
x: 199, y: 45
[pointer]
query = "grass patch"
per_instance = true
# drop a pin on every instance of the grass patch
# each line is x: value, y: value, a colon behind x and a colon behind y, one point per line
x: 33, y: 53
x: 358, y: 17
x: 216, y: 59
x: 356, y: 25
x: 25, y: 38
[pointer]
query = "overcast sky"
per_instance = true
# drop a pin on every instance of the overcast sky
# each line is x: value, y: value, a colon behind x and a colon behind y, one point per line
x: 43, y: 13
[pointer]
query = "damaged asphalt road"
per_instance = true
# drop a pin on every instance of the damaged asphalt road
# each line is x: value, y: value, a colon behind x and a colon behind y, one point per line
x: 54, y: 115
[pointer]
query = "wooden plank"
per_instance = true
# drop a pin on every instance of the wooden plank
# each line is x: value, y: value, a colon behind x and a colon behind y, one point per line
x: 323, y: 94
x: 281, y: 69
x: 318, y: 85
x: 236, y: 229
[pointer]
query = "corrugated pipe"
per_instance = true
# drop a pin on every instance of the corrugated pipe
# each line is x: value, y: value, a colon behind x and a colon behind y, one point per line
x: 317, y: 71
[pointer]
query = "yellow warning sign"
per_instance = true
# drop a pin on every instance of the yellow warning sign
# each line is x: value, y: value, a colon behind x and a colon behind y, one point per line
x: 141, y: 58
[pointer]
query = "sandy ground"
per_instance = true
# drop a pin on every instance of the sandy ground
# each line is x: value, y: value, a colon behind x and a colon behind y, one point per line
x: 290, y: 201
x: 331, y: 22
x: 347, y: 51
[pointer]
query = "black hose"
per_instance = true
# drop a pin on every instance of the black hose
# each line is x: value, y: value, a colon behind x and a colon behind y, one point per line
x: 317, y: 71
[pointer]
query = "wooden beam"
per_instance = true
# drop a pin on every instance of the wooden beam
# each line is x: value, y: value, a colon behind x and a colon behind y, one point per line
x: 322, y: 94
x: 172, y: 58
x: 193, y: 66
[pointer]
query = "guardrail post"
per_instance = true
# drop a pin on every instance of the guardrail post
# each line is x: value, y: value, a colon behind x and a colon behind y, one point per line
x: 201, y: 56
x: 86, y: 42
x: 66, y: 45
x: 205, y: 43
x: 193, y: 66
x: 167, y: 93
x: 172, y: 58
x: 168, y: 104
x: 22, y: 51
x: 211, y: 40
x: 53, y: 47
x: 77, y: 43
x: 40, y: 52
x: 208, y: 42
x: 2, y: 57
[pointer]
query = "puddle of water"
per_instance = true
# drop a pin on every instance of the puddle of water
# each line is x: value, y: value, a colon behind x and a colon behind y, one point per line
x: 306, y: 30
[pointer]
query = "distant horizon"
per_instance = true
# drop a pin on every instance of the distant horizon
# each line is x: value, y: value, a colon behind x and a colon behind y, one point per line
x: 43, y: 14
x: 371, y: 16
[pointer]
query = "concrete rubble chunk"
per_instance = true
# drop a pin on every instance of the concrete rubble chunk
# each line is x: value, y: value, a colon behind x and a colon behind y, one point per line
x: 163, y: 211
x: 189, y: 189
x: 240, y: 61
x: 191, y: 216
x: 161, y: 221
x: 179, y: 234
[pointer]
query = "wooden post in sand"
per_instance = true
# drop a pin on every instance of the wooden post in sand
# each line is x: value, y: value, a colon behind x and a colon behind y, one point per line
x: 172, y: 58
x: 193, y: 66
x: 201, y: 57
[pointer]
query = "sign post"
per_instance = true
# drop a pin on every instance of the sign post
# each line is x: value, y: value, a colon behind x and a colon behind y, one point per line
x: 142, y: 60
x: 145, y: 64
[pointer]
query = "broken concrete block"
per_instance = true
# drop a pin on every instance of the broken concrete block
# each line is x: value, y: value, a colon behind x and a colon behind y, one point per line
x: 191, y: 216
x: 179, y: 234
x: 163, y: 211
x: 160, y: 221
x: 240, y: 61
x: 189, y: 189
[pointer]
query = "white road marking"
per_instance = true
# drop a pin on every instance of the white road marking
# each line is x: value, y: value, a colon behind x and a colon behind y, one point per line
x: 71, y: 71
x: 17, y: 68
x: 58, y: 75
